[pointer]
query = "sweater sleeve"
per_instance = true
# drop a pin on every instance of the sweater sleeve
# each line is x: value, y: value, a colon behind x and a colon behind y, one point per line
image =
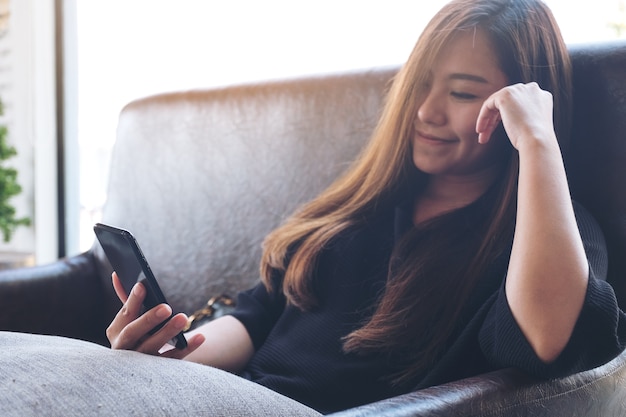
x: 599, y: 334
x: 258, y: 310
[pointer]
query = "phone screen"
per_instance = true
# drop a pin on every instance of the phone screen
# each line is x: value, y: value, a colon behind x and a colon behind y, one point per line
x: 127, y: 260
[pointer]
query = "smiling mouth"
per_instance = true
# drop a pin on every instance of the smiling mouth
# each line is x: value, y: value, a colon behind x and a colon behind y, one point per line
x: 433, y: 139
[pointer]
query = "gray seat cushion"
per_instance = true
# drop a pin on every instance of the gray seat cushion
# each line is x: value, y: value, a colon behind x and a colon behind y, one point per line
x: 49, y: 375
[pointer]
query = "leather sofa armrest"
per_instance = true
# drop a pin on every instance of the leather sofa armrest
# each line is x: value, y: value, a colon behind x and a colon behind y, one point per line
x: 452, y: 399
x: 509, y: 392
x: 61, y: 298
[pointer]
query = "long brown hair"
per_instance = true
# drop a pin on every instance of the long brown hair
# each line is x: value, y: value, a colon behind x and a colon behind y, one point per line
x: 530, y: 48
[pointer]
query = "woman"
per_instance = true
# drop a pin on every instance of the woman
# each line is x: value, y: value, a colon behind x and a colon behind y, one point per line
x: 450, y: 248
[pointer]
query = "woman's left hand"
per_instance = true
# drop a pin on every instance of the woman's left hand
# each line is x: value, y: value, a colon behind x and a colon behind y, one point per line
x: 525, y: 111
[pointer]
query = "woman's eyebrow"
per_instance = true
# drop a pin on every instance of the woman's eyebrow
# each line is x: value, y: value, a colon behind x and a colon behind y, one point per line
x: 468, y: 77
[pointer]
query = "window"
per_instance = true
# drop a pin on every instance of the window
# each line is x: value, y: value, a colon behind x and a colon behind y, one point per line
x: 27, y: 88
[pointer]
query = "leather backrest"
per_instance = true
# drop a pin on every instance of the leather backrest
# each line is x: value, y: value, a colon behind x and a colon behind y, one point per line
x: 597, y: 159
x: 200, y: 177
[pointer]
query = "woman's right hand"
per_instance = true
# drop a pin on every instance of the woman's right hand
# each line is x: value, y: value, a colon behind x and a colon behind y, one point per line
x: 130, y: 331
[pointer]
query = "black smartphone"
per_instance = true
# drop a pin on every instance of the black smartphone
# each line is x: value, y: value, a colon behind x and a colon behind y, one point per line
x: 131, y: 266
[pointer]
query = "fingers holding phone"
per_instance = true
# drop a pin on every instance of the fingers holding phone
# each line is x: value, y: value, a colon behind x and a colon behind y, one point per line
x: 132, y: 330
x: 137, y: 287
x: 129, y: 327
x: 131, y: 267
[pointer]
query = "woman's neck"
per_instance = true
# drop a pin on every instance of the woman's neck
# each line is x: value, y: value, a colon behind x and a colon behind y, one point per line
x: 444, y: 193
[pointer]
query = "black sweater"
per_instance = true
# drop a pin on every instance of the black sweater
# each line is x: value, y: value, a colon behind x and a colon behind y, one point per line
x: 299, y: 354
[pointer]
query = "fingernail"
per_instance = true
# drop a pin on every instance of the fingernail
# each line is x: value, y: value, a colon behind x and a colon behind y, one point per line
x: 163, y: 312
x: 178, y: 322
x: 138, y: 289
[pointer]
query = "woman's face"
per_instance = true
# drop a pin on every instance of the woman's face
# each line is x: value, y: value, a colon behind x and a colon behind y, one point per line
x: 465, y: 73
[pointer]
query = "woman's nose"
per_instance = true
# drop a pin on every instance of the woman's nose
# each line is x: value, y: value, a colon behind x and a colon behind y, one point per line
x: 432, y: 110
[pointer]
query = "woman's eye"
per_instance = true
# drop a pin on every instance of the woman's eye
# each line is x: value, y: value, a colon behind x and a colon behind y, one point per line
x: 463, y: 96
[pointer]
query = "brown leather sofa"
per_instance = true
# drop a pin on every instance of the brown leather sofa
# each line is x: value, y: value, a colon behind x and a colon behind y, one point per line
x: 200, y: 177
